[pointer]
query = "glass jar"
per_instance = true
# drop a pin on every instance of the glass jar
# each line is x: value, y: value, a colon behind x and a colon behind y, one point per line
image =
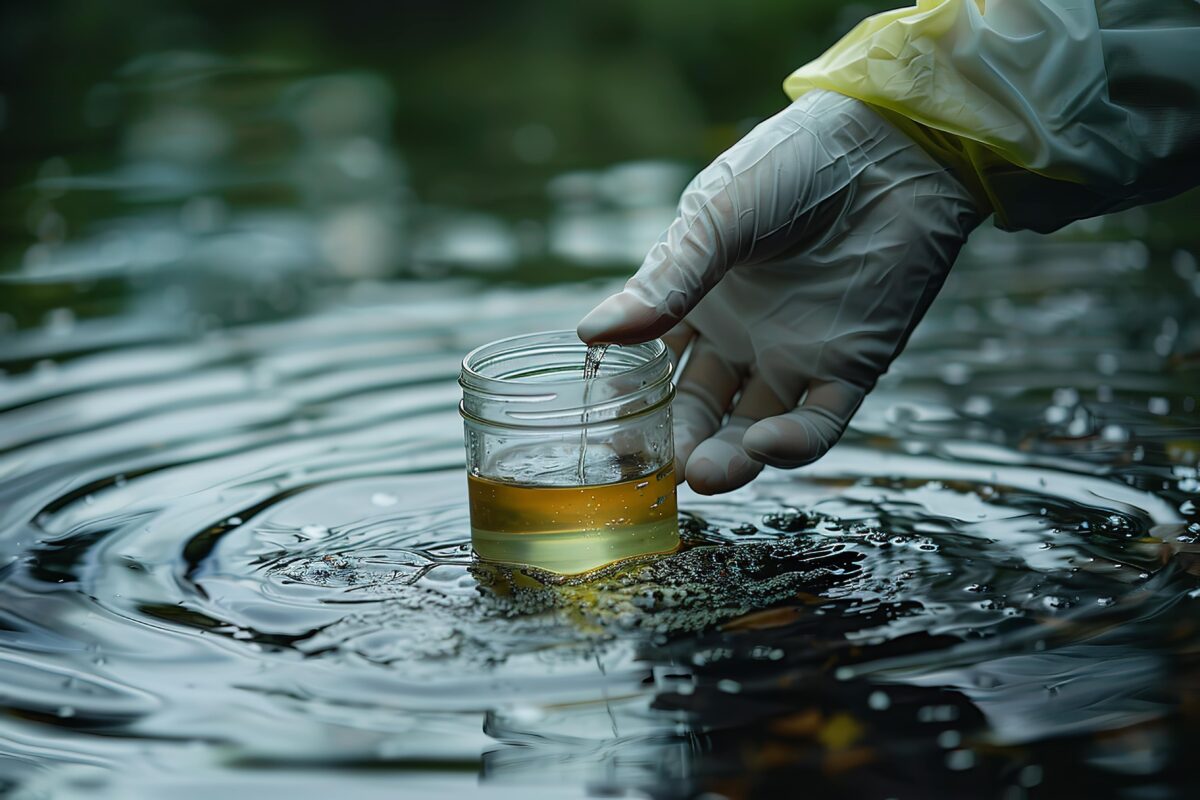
x: 567, y: 474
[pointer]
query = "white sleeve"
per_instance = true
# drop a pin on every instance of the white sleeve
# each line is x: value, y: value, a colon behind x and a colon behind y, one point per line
x: 1055, y: 110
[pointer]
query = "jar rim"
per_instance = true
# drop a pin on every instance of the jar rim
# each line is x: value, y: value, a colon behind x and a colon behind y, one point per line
x: 655, y: 356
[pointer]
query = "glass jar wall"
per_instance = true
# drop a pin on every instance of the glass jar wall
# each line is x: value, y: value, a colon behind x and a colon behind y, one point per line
x: 567, y: 474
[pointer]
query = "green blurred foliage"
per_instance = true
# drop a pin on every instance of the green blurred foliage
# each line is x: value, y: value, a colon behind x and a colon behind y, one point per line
x: 612, y: 79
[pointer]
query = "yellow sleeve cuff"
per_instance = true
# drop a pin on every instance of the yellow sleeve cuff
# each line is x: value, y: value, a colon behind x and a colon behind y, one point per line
x: 956, y: 75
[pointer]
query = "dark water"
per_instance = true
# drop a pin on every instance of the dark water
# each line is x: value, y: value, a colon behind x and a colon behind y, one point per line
x: 234, y: 550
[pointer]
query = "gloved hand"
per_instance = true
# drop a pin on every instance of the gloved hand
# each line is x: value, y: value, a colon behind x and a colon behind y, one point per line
x: 798, y: 265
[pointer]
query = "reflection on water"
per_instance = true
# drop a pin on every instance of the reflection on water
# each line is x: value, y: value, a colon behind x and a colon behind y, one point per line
x: 234, y: 542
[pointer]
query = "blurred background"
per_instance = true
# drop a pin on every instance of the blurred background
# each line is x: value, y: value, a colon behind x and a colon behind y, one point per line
x: 270, y: 147
x: 277, y: 145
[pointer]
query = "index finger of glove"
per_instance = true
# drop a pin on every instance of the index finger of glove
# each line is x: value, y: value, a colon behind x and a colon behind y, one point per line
x: 683, y: 265
x: 677, y: 341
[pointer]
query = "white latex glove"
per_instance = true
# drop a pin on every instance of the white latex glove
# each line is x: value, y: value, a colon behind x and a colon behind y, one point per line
x: 798, y: 265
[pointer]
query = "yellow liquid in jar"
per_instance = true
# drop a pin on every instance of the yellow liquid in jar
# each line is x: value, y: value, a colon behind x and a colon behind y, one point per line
x: 573, y: 529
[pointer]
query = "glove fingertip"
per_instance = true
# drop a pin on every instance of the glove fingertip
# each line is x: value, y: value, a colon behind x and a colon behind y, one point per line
x: 785, y: 444
x: 760, y: 442
x: 620, y: 319
x: 720, y: 466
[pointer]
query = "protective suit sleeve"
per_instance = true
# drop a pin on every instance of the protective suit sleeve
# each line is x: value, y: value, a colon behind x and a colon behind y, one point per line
x: 1049, y: 110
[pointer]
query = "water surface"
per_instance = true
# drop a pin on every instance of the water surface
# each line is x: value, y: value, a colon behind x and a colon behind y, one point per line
x: 234, y: 544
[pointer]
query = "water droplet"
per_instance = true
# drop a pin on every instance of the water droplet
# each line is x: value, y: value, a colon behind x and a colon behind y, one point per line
x: 1065, y: 397
x: 937, y: 714
x: 59, y: 321
x: 1056, y: 415
x: 879, y: 701
x: 949, y: 739
x: 978, y: 406
x: 787, y: 521
x: 383, y: 499
x: 955, y: 373
x: 1030, y: 776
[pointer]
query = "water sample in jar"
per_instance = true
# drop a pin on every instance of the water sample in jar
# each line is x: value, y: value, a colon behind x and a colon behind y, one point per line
x: 567, y: 474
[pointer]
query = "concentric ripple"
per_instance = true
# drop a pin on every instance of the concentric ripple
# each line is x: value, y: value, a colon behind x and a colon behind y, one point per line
x: 244, y: 560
